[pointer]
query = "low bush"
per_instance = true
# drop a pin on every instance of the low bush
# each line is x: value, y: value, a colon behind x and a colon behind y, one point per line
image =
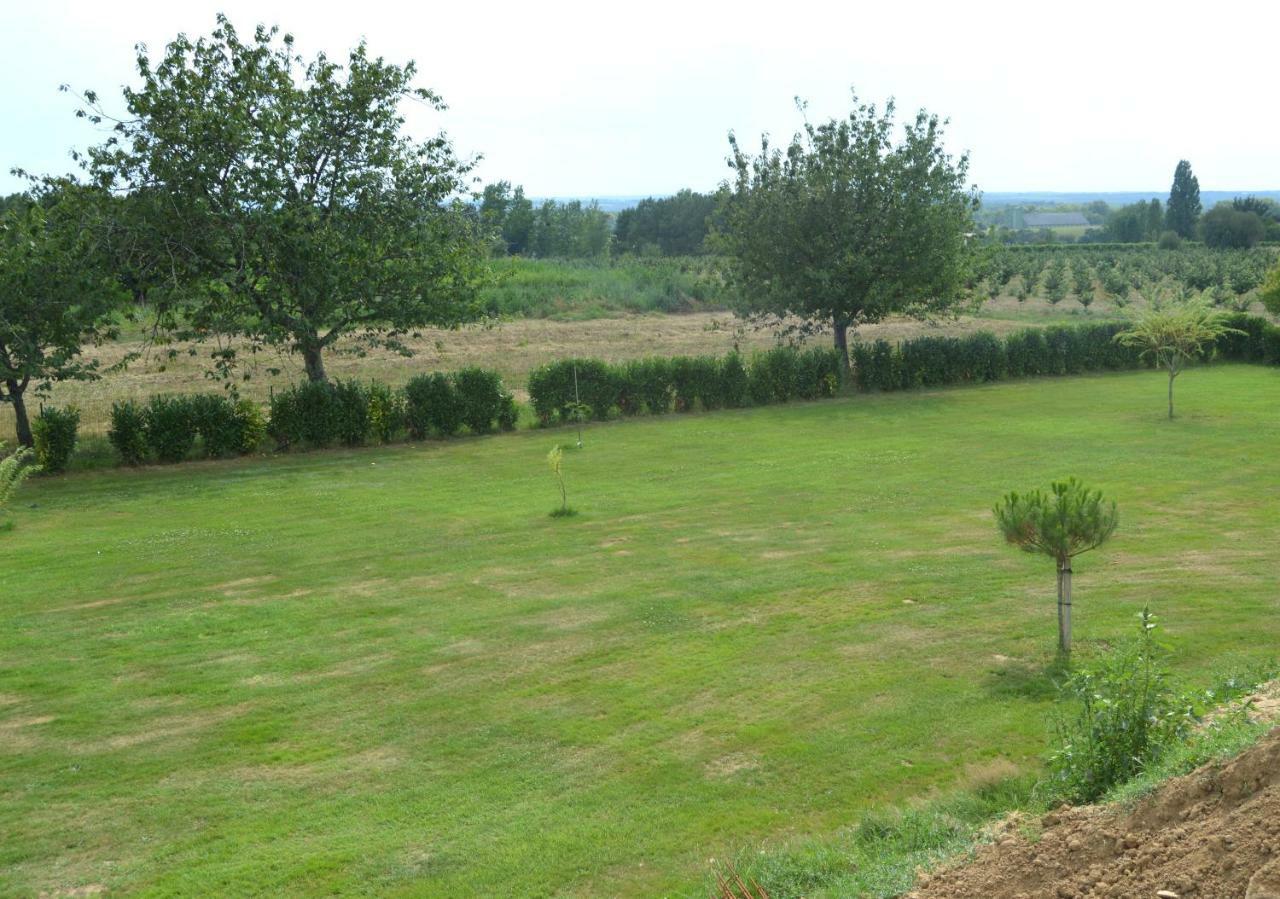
x: 170, y: 426
x: 214, y: 418
x: 734, y: 381
x: 432, y: 406
x: 1127, y: 717
x: 556, y: 387
x: 128, y: 431
x: 253, y: 426
x: 54, y: 431
x: 387, y: 412
x: 482, y: 398
x: 645, y: 385
x: 773, y: 376
x: 350, y: 401
x: 304, y: 414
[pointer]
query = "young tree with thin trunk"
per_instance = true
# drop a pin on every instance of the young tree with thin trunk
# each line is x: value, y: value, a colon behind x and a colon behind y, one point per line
x: 57, y: 294
x: 1061, y: 524
x: 282, y: 199
x: 1176, y: 334
x: 849, y: 224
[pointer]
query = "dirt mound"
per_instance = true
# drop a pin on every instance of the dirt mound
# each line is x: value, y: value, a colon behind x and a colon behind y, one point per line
x: 1212, y: 834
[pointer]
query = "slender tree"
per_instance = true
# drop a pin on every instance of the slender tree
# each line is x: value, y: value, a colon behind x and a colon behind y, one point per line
x: 57, y: 294
x: 1183, y: 209
x: 1174, y: 334
x: 848, y: 225
x: 1061, y: 524
x: 282, y: 199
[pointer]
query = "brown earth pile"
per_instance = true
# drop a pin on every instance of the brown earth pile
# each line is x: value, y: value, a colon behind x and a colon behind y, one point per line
x: 1213, y: 834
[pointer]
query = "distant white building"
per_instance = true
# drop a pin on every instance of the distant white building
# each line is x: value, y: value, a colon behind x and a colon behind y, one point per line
x: 1053, y: 219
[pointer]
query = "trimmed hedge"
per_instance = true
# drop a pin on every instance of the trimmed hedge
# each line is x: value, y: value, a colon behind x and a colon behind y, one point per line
x: 659, y: 385
x: 172, y: 428
x: 54, y: 433
x: 983, y: 357
x: 1056, y: 350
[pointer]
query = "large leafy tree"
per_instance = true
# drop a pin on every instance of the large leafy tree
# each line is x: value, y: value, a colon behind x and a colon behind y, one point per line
x: 58, y: 292
x: 281, y: 199
x: 1183, y: 209
x: 850, y: 223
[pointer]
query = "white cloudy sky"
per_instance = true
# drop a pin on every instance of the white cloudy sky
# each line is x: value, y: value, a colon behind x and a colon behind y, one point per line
x: 605, y: 98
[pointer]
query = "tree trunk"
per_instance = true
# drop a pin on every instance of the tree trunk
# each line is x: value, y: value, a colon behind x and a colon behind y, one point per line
x: 1172, y: 375
x: 16, y: 397
x: 313, y: 359
x: 1064, y: 607
x: 841, y: 328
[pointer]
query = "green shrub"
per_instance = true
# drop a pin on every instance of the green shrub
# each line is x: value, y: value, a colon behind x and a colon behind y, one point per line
x: 734, y: 382
x: 774, y: 376
x: 128, y: 431
x: 304, y: 414
x: 645, y: 385
x: 1026, y: 353
x: 214, y: 418
x: 985, y: 357
x: 1127, y: 717
x: 350, y: 401
x: 253, y: 427
x: 508, y: 413
x: 432, y: 406
x: 54, y: 431
x: 684, y: 383
x: 819, y: 373
x: 386, y: 412
x: 170, y: 423
x: 551, y: 389
x: 482, y: 397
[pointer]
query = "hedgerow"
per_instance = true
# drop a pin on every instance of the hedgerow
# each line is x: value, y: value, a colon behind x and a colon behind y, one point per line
x: 319, y: 414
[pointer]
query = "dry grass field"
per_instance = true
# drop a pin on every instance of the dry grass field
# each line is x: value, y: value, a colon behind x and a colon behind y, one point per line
x: 512, y: 348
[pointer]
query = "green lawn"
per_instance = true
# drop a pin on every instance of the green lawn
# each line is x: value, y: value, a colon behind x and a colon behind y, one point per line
x: 390, y: 672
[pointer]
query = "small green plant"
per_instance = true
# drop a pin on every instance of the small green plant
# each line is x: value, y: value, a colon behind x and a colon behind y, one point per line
x: 1127, y: 718
x: 253, y: 425
x: 386, y: 412
x: 14, y: 469
x: 555, y: 459
x: 1063, y: 523
x: 55, y: 437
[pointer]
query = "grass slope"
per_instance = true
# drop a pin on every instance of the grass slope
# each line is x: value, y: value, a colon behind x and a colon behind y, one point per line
x: 389, y: 672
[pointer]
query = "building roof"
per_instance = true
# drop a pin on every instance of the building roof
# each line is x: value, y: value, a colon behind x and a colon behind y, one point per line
x: 1053, y: 219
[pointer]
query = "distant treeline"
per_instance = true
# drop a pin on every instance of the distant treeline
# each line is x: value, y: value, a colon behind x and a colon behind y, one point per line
x: 666, y: 226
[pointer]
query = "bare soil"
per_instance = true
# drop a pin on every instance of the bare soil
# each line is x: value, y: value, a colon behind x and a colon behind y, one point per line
x: 1212, y: 834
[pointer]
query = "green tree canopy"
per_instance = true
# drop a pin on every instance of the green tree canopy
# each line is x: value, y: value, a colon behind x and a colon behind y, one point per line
x: 673, y: 226
x: 1183, y: 209
x: 57, y: 293
x: 285, y: 200
x: 847, y: 225
x: 1228, y: 227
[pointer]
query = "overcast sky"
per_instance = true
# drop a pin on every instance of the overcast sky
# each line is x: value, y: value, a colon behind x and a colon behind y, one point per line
x: 599, y: 98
